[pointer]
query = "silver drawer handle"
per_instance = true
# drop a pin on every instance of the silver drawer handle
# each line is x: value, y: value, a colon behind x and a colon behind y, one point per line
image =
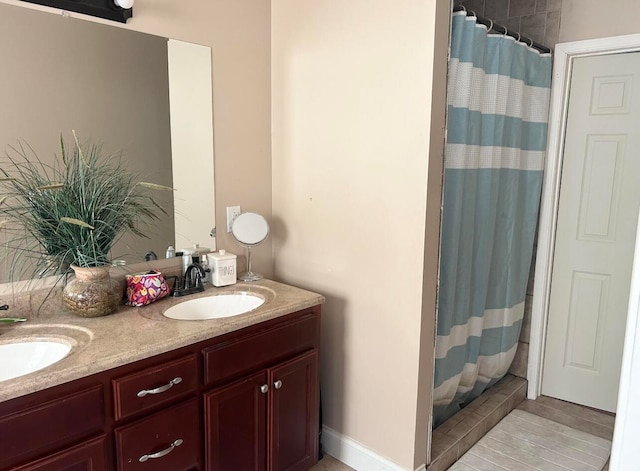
x: 161, y: 389
x: 264, y: 388
x: 277, y: 384
x: 162, y: 453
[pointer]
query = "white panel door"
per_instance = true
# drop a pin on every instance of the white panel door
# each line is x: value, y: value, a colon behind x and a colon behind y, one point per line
x: 597, y: 217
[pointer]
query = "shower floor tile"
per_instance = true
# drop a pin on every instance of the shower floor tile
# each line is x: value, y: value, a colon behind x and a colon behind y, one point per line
x: 453, y: 438
x: 523, y: 441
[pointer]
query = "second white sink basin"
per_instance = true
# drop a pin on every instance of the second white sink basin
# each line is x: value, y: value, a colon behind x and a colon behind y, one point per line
x: 21, y: 358
x: 214, y: 307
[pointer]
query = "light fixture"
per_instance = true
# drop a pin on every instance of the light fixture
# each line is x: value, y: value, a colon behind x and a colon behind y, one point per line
x: 116, y: 10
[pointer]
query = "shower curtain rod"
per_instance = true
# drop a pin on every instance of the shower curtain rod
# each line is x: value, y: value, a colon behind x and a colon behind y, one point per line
x: 493, y: 26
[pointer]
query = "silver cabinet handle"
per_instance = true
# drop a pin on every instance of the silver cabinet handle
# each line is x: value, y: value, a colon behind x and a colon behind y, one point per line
x: 277, y: 384
x: 161, y: 389
x: 264, y: 388
x: 162, y: 453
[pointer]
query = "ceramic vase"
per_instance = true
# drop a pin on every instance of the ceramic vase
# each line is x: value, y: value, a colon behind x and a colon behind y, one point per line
x: 92, y: 293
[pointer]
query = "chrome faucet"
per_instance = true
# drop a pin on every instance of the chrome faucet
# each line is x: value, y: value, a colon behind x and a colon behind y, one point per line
x: 10, y: 320
x: 193, y: 276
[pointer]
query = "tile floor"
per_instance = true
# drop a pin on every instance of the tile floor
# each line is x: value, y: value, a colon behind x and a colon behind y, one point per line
x: 505, y: 396
x: 526, y: 441
x: 329, y: 463
x: 458, y: 434
x: 582, y: 418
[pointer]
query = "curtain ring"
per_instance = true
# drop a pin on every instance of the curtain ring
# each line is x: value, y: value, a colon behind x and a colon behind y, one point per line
x: 530, y: 42
x: 519, y: 37
x: 490, y: 26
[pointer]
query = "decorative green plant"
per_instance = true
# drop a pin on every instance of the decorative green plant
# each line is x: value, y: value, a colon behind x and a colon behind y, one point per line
x: 71, y: 212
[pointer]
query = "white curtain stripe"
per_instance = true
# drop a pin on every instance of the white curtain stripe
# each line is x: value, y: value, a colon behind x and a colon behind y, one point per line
x: 492, y: 319
x: 487, y: 369
x: 472, y: 88
x: 463, y: 156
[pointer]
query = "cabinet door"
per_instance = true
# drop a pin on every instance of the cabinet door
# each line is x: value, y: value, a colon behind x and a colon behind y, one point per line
x: 236, y: 425
x: 88, y: 456
x: 293, y: 405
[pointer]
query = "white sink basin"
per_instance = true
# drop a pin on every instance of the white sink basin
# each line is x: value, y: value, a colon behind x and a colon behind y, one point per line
x: 21, y: 358
x: 214, y: 307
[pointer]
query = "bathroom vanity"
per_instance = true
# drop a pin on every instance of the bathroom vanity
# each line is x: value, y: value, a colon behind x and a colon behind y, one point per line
x: 245, y: 397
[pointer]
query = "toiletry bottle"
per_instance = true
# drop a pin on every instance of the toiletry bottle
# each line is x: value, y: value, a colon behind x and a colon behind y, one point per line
x: 202, y: 251
x: 171, y: 252
x: 205, y: 266
x: 187, y: 259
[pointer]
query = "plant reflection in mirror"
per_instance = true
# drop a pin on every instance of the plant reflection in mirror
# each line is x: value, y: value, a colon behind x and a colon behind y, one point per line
x: 70, y: 212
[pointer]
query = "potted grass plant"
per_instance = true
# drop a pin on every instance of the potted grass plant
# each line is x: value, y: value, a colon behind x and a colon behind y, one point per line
x: 69, y: 214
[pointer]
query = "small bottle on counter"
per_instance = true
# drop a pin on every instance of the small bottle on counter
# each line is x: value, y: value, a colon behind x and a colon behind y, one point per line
x: 171, y: 252
x: 187, y: 258
x: 189, y: 255
x: 207, y: 272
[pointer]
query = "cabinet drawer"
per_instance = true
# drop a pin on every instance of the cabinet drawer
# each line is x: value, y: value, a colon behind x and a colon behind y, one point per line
x: 166, y: 440
x: 153, y: 386
x: 244, y: 354
x: 87, y: 456
x: 40, y: 429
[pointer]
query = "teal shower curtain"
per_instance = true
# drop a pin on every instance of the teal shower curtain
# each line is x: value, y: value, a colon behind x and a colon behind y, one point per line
x: 498, y: 101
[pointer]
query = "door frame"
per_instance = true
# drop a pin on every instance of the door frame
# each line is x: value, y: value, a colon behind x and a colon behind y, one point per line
x: 565, y: 53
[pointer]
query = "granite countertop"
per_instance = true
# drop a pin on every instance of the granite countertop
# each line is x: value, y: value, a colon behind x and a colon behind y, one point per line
x: 133, y: 333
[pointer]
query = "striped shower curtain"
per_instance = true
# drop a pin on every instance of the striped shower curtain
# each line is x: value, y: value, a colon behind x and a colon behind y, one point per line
x: 498, y: 101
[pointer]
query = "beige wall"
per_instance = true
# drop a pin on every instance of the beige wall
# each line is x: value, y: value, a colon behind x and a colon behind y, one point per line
x: 432, y: 231
x: 589, y: 19
x: 238, y: 33
x: 351, y: 97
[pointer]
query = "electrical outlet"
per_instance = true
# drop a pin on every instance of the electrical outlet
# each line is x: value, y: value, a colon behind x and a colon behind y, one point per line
x: 232, y: 213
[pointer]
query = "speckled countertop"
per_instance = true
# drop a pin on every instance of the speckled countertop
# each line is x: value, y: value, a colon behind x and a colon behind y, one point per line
x: 132, y: 334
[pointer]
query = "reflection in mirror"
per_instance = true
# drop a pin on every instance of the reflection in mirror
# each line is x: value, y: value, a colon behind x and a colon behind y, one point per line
x: 250, y: 230
x: 191, y: 142
x: 110, y: 85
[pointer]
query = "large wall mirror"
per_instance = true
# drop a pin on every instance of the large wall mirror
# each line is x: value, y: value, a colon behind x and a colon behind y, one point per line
x: 146, y: 97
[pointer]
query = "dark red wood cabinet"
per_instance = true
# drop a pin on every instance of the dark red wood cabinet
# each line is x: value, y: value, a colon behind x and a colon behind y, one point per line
x: 267, y: 421
x: 293, y: 410
x: 236, y: 425
x: 244, y: 401
x: 87, y: 456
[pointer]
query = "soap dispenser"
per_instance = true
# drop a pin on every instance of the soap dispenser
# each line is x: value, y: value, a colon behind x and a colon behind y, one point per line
x: 223, y: 268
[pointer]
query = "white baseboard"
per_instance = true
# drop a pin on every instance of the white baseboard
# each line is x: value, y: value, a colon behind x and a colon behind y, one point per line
x: 355, y: 455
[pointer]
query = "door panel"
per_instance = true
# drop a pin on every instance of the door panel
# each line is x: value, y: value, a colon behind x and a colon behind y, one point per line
x: 595, y: 234
x: 587, y: 309
x: 601, y: 185
x: 236, y: 426
x: 294, y: 414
